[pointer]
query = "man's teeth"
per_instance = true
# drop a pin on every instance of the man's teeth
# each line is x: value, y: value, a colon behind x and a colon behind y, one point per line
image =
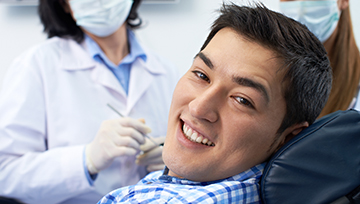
x: 196, y: 137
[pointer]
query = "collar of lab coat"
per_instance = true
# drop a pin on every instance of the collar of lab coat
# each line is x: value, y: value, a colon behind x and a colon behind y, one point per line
x: 74, y: 56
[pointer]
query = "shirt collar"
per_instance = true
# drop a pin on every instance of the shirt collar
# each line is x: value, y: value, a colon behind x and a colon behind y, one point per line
x: 255, y: 171
x: 135, y: 50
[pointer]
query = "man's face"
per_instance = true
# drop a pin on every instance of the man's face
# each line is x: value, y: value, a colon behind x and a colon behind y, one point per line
x: 231, y: 96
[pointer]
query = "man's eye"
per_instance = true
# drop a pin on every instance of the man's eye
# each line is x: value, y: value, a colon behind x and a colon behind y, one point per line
x: 201, y: 76
x: 244, y: 101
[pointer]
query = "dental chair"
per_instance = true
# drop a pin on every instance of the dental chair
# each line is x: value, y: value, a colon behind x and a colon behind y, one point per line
x: 319, y: 165
x: 4, y: 200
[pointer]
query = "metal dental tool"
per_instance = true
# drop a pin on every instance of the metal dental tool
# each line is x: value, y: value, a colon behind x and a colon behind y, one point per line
x: 121, y: 115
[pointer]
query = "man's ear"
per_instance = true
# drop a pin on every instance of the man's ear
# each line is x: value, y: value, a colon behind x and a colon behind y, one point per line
x: 343, y: 4
x: 291, y: 132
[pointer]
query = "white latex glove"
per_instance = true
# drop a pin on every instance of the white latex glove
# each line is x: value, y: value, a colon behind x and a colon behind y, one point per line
x: 115, y: 138
x: 151, y: 155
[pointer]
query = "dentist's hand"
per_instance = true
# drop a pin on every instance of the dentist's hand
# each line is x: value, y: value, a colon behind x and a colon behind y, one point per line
x: 151, y: 155
x: 115, y: 138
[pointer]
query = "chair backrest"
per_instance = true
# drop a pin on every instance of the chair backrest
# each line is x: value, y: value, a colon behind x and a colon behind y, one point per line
x: 320, y: 165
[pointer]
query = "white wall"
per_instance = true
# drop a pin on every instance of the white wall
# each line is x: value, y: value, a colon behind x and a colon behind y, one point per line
x: 175, y: 31
x: 20, y: 29
x: 178, y: 31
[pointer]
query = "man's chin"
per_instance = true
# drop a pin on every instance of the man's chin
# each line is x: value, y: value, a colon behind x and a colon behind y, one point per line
x: 189, y: 175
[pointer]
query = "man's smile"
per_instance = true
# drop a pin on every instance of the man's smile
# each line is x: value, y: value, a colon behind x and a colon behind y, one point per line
x: 194, y: 136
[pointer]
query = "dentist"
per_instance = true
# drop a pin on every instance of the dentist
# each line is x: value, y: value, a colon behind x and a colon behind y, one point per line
x: 60, y: 143
x: 330, y: 21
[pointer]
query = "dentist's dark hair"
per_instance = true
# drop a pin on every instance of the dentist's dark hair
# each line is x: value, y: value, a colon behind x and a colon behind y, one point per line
x: 308, y: 76
x: 58, y: 22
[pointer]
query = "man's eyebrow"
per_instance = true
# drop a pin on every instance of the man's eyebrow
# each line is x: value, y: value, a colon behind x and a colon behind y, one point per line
x: 250, y: 83
x: 205, y: 59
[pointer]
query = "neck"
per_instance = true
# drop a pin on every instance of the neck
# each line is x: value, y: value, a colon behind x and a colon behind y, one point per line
x: 115, y: 46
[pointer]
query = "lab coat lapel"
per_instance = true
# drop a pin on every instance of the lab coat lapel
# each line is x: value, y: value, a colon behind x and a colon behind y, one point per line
x: 105, y: 77
x: 99, y: 73
x: 140, y: 80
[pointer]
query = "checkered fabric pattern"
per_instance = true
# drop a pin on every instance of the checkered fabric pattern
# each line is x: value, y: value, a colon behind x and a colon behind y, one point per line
x: 158, y: 187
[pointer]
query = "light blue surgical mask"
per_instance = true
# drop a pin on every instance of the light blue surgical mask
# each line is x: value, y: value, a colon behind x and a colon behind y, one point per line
x: 100, y: 17
x: 321, y: 17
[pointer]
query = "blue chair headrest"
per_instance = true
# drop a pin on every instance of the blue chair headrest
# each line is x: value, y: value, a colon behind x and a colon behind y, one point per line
x: 319, y: 165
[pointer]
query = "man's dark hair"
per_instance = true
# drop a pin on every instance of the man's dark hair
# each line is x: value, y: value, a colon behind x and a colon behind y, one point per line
x: 57, y: 22
x: 308, y: 75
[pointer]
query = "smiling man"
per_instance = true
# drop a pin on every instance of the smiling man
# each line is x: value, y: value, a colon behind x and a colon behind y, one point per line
x: 259, y: 79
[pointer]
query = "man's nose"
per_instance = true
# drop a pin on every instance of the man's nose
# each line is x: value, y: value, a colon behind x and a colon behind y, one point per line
x: 206, y: 104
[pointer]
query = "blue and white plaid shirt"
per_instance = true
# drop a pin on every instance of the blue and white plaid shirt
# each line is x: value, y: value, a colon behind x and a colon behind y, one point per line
x: 158, y: 187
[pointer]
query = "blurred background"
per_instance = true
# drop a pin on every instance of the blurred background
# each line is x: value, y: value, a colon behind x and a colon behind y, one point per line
x: 174, y: 29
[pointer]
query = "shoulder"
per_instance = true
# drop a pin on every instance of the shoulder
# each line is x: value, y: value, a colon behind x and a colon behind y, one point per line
x: 50, y: 48
x: 154, y: 190
x: 53, y: 53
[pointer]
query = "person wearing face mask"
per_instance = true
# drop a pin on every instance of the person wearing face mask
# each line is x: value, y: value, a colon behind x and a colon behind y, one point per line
x: 330, y: 21
x: 60, y: 140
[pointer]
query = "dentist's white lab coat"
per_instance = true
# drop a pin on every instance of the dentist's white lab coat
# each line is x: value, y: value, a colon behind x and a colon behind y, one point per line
x: 53, y: 101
